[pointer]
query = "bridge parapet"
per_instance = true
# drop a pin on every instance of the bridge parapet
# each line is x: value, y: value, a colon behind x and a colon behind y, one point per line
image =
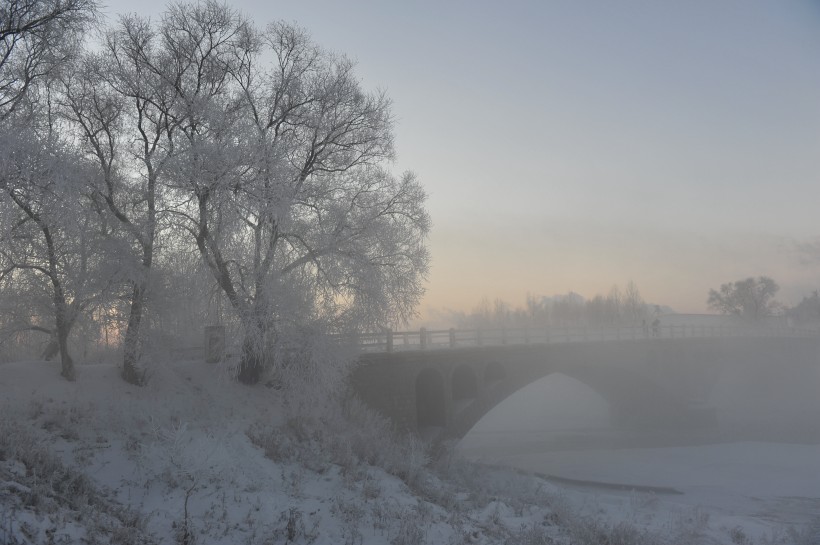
x: 424, y: 339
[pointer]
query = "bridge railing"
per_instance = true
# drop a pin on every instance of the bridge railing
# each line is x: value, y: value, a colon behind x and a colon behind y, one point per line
x: 425, y: 339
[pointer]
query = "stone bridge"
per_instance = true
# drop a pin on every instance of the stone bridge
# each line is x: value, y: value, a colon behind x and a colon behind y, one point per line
x: 648, y: 382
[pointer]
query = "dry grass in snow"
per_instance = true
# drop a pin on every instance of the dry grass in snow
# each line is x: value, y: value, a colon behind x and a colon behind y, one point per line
x: 195, y: 458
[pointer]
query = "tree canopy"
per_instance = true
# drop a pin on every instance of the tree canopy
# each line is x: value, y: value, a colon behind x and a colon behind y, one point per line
x: 252, y: 147
x: 751, y: 298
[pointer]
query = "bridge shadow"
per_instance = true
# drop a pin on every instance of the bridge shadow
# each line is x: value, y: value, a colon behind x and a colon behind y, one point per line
x: 431, y: 400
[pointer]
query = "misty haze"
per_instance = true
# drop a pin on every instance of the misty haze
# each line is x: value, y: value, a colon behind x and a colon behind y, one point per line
x: 413, y: 273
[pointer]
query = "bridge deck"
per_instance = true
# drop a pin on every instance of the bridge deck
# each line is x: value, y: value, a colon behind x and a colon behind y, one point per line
x: 390, y: 341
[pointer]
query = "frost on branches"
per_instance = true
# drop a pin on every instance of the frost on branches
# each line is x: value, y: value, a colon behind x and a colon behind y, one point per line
x: 279, y: 174
x: 250, y: 147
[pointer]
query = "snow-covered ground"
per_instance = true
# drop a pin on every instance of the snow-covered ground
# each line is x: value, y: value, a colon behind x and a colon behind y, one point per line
x: 762, y: 488
x: 195, y: 457
x: 101, y: 461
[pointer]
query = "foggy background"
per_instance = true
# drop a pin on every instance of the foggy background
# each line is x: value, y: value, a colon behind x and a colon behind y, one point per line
x: 572, y: 146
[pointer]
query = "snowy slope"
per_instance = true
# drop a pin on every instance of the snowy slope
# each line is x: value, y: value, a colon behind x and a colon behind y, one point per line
x: 197, y: 458
x: 184, y: 437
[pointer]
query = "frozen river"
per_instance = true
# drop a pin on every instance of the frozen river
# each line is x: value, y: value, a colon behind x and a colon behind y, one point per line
x: 560, y: 428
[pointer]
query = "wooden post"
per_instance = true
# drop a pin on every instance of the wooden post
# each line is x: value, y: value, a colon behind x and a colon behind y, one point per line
x: 478, y: 335
x: 389, y: 333
x: 452, y: 337
x: 423, y: 338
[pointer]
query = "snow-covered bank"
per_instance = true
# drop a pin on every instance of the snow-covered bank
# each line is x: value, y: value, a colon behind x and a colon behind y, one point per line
x: 194, y: 457
x: 188, y: 459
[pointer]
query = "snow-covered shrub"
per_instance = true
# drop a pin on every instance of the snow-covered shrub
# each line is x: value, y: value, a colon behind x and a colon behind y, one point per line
x: 46, y: 482
x: 585, y: 530
x: 532, y: 534
x: 342, y: 431
x: 481, y: 484
x: 689, y: 527
x: 65, y: 422
x: 371, y: 487
x: 809, y: 535
x: 738, y: 536
x: 46, y: 501
x: 351, y: 513
x: 374, y: 440
x: 291, y: 528
x: 410, y: 530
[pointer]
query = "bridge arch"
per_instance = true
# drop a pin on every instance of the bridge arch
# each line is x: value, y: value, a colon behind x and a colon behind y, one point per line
x: 464, y: 384
x: 633, y: 399
x: 431, y: 407
x: 551, y: 402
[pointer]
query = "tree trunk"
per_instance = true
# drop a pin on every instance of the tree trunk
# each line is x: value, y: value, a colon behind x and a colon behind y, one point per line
x: 131, y: 343
x: 63, y: 327
x: 51, y: 349
x: 64, y: 317
x: 67, y: 364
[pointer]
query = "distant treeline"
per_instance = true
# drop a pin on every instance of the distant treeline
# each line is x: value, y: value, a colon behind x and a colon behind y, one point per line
x: 618, y: 308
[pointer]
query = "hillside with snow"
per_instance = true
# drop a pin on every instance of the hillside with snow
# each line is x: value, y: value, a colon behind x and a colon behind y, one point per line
x: 194, y: 457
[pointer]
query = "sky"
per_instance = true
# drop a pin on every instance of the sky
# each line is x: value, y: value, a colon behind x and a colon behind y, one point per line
x: 579, y: 145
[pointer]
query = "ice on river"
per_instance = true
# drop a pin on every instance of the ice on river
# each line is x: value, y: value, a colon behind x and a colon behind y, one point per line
x: 761, y: 487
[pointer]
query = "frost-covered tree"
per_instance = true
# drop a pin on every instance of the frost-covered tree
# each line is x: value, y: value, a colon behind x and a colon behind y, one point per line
x: 120, y: 109
x: 26, y: 308
x: 537, y: 310
x: 36, y: 37
x: 27, y: 303
x: 567, y: 309
x: 279, y: 173
x: 258, y: 145
x: 752, y: 298
x: 45, y: 232
x: 807, y: 311
x: 634, y: 306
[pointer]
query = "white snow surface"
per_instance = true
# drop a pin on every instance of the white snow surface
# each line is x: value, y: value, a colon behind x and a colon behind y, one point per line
x: 762, y: 488
x: 144, y: 447
x: 187, y: 431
